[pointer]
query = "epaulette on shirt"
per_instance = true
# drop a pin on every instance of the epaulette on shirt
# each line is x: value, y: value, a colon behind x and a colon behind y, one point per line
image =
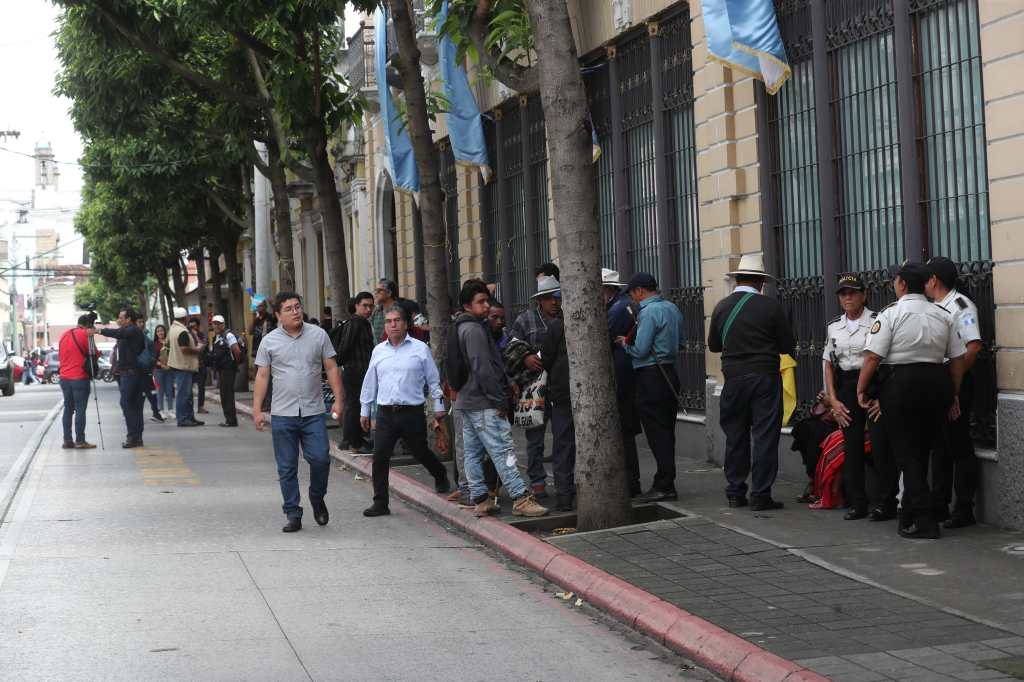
x: 888, y: 306
x: 961, y: 303
x: 835, y: 319
x: 941, y: 308
x: 874, y: 315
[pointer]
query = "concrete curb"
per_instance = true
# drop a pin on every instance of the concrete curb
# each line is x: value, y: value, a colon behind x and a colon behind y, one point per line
x: 720, y: 651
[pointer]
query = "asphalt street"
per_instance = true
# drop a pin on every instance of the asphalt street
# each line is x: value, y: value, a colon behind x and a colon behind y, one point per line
x: 168, y: 563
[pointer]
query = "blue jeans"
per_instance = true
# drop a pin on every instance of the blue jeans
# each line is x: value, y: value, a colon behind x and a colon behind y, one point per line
x: 183, y: 402
x: 288, y: 434
x: 76, y: 400
x: 130, y: 385
x: 164, y: 377
x: 483, y: 431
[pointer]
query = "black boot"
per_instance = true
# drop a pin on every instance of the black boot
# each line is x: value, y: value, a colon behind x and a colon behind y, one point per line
x: 564, y: 503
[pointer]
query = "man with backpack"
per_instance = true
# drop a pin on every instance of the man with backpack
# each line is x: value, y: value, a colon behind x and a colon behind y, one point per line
x: 224, y: 357
x: 183, y: 359
x: 131, y: 343
x: 475, y: 370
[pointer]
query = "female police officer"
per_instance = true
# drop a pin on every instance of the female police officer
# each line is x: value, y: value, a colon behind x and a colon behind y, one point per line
x: 909, y: 340
x: 843, y: 358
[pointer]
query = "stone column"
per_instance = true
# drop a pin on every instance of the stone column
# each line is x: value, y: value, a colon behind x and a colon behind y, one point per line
x: 1002, y: 55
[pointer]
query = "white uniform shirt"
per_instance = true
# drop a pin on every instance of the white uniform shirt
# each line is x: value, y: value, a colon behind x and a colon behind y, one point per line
x: 847, y: 338
x: 914, y: 330
x: 965, y: 315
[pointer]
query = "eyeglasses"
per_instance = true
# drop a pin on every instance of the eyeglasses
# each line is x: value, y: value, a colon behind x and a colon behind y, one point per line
x: 297, y: 308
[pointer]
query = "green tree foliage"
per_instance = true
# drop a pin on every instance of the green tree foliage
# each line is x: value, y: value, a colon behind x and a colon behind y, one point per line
x: 97, y: 294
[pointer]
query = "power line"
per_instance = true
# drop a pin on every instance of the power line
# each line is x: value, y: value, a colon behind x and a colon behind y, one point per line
x: 141, y: 166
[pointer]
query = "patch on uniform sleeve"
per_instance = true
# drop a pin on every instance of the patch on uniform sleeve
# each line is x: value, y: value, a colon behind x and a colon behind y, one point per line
x: 876, y: 326
x: 961, y: 302
x: 968, y: 321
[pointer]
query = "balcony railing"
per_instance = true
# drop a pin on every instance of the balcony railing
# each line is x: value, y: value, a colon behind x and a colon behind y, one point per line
x: 359, y: 59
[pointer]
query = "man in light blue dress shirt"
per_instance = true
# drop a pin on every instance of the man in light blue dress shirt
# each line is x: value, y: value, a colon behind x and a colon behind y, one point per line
x: 401, y: 372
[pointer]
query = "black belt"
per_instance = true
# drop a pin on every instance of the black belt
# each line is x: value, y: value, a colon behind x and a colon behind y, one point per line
x: 399, y: 408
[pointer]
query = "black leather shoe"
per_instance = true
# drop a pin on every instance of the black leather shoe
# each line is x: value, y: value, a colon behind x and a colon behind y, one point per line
x: 320, y: 511
x: 635, y: 490
x: 293, y: 525
x: 130, y: 444
x: 564, y: 503
x: 655, y: 495
x: 960, y: 520
x: 808, y: 496
x: 856, y: 514
x: 737, y: 501
x: 68, y: 445
x: 228, y: 424
x: 157, y: 417
x: 191, y: 423
x: 940, y: 514
x: 376, y: 510
x: 764, y: 504
x: 919, y: 532
x: 881, y: 514
x: 443, y: 486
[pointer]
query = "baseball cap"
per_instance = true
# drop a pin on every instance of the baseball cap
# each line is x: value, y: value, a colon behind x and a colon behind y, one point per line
x: 850, y: 282
x: 218, y: 318
x: 945, y: 269
x: 910, y: 271
x: 642, y: 280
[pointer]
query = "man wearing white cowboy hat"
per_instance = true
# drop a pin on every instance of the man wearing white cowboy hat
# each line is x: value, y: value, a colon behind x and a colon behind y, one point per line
x: 751, y: 332
x: 621, y: 318
x: 532, y: 327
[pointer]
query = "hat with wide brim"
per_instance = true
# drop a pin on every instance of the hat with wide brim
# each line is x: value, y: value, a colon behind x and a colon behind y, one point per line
x: 546, y: 286
x: 179, y: 313
x: 610, y: 278
x: 752, y: 265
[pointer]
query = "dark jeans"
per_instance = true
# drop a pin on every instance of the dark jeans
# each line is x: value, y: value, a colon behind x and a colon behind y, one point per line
x: 148, y: 392
x: 656, y: 406
x: 954, y: 465
x: 563, y: 447
x: 226, y: 385
x: 409, y: 424
x: 629, y: 422
x: 854, y: 460
x: 130, y: 385
x: 751, y: 407
x: 183, y: 396
x: 352, y: 383
x: 76, y: 400
x: 535, y: 470
x: 199, y: 379
x: 288, y: 434
x: 914, y: 404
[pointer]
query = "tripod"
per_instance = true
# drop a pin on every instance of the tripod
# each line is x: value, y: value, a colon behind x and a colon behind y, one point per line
x: 92, y: 378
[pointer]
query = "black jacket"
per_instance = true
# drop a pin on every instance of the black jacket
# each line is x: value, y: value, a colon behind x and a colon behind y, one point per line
x: 759, y: 334
x: 556, y: 361
x: 130, y: 342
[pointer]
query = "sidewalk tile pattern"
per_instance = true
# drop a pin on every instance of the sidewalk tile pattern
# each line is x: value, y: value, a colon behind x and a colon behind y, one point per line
x: 837, y: 626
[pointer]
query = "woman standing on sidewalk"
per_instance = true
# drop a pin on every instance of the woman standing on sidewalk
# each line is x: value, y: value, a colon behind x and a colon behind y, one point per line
x: 164, y: 378
x: 846, y: 337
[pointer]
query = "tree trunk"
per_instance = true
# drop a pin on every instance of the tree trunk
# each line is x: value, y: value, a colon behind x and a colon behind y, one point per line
x: 603, y: 499
x: 235, y: 315
x: 204, y: 298
x: 435, y: 262
x: 179, y: 281
x: 163, y: 305
x: 216, y: 281
x: 282, y: 222
x: 335, y: 260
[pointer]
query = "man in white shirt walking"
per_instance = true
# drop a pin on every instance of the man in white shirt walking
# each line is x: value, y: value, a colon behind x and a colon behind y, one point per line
x: 400, y: 369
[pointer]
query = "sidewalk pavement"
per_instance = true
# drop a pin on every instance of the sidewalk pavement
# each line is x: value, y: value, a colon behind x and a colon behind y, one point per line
x: 168, y: 562
x: 849, y: 600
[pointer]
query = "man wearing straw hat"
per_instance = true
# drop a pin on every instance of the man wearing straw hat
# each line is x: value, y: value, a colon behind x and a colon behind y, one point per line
x: 751, y: 332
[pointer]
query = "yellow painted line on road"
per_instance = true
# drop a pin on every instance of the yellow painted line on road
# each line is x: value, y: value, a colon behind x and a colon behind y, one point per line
x: 164, y: 467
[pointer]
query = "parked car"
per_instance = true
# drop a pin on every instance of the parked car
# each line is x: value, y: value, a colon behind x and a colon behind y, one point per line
x: 7, y: 380
x: 51, y: 368
x: 19, y: 366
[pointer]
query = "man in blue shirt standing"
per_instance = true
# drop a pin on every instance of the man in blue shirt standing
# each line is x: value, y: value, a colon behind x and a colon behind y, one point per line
x: 400, y: 370
x: 653, y: 350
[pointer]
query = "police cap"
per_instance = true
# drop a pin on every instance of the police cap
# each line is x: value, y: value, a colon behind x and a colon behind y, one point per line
x: 850, y: 282
x: 911, y: 272
x: 945, y: 269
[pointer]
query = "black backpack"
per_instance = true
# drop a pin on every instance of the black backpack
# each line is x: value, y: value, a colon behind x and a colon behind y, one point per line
x: 456, y: 368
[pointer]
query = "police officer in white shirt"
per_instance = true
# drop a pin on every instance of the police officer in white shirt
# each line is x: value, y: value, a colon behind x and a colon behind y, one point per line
x: 954, y: 466
x: 843, y: 357
x: 910, y: 339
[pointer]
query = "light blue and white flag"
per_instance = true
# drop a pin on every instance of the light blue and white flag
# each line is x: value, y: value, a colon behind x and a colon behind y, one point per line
x: 397, y: 145
x: 465, y: 127
x: 744, y: 35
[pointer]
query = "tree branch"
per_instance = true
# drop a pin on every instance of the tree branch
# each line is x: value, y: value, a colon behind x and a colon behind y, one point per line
x: 253, y: 43
x: 304, y: 172
x: 225, y: 209
x: 253, y: 157
x: 275, y: 117
x: 149, y: 47
x: 522, y: 79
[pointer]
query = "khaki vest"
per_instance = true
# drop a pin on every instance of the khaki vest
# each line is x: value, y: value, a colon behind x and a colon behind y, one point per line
x: 175, y: 358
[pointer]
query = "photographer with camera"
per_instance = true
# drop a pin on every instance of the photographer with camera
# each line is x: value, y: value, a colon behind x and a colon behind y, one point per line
x: 77, y: 367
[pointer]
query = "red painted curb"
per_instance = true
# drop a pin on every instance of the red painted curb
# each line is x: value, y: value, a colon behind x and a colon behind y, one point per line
x: 720, y: 651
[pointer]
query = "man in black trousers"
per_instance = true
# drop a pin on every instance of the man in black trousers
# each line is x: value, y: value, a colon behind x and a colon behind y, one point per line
x: 354, y: 349
x: 751, y: 332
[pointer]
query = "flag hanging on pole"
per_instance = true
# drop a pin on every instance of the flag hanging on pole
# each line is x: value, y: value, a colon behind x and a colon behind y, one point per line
x: 397, y: 145
x: 744, y: 35
x: 465, y: 127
